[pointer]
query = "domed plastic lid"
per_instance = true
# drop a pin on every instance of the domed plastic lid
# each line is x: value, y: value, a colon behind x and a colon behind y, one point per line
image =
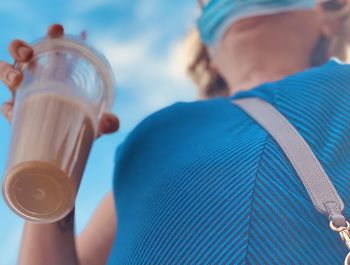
x: 38, y: 192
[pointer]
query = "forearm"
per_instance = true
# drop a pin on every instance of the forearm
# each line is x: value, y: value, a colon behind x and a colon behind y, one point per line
x: 52, y: 244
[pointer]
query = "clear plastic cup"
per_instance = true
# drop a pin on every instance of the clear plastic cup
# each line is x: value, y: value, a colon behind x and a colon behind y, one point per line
x: 66, y: 88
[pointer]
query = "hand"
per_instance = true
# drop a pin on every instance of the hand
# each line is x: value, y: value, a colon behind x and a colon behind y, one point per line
x: 11, y: 76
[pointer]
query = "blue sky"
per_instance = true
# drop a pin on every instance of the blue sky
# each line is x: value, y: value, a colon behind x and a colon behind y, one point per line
x: 143, y: 41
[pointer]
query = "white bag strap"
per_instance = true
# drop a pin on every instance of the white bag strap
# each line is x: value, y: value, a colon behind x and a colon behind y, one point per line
x: 318, y: 185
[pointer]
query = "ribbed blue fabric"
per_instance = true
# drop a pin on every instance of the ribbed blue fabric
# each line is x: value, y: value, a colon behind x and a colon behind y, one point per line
x: 202, y: 183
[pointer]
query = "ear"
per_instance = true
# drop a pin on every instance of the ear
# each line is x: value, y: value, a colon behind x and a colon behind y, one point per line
x: 330, y: 25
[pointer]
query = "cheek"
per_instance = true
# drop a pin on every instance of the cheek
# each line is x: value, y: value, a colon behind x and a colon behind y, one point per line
x: 314, y: 35
x: 313, y: 26
x: 219, y: 57
x: 217, y: 62
x: 221, y: 63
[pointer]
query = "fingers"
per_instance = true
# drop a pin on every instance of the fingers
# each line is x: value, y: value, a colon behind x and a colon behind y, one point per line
x: 10, y: 75
x: 55, y: 31
x: 20, y: 51
x: 7, y: 110
x: 109, y: 124
x: 23, y: 52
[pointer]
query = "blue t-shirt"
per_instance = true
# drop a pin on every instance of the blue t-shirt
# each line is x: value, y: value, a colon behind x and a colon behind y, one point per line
x: 203, y: 183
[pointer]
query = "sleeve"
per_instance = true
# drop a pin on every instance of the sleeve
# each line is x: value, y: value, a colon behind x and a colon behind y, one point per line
x: 145, y: 146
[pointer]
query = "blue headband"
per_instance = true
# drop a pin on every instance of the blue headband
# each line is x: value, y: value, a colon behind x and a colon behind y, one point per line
x: 218, y: 15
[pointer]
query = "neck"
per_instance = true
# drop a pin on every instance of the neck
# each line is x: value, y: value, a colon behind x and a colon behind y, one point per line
x: 262, y: 68
x: 265, y: 49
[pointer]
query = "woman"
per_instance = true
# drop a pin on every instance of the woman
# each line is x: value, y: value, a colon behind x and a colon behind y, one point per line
x: 201, y: 182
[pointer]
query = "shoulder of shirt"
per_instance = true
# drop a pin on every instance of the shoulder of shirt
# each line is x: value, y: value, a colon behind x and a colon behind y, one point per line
x: 316, y: 83
x: 330, y: 78
x: 167, y: 122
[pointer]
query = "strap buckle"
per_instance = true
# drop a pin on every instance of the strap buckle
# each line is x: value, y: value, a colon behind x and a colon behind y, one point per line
x: 344, y: 232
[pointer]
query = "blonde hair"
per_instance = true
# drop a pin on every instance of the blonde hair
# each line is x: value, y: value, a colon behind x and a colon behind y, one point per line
x: 211, y: 84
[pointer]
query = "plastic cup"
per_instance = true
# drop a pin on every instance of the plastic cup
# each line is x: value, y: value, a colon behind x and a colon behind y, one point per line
x: 66, y: 88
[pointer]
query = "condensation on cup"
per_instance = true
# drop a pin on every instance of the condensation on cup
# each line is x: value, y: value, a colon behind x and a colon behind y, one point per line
x: 66, y: 88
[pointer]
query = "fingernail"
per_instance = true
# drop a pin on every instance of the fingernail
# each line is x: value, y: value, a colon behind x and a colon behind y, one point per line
x: 12, y: 76
x: 24, y: 51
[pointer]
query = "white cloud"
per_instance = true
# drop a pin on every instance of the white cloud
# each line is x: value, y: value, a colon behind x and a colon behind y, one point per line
x: 125, y: 56
x: 160, y: 78
x: 147, y: 79
x: 81, y: 7
x: 146, y: 9
x: 157, y: 77
x: 178, y: 60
